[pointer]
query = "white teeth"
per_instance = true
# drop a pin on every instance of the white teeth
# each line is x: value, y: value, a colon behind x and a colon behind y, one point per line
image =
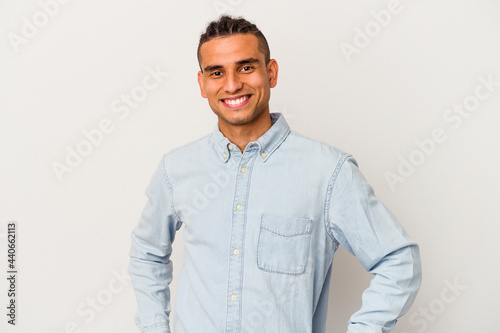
x: 236, y: 101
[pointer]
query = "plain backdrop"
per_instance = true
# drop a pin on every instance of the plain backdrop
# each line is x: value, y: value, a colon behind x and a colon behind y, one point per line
x: 375, y: 85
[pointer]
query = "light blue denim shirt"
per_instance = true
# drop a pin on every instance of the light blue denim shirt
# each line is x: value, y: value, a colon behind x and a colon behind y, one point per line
x: 260, y: 231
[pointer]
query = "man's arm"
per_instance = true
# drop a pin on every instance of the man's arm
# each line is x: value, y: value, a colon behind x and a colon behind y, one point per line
x: 150, y: 266
x: 367, y: 229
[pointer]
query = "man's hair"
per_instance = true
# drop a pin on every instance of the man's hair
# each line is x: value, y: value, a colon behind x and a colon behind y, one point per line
x: 226, y: 26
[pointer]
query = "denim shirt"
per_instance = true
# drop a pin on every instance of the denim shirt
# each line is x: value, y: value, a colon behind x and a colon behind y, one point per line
x: 260, y: 231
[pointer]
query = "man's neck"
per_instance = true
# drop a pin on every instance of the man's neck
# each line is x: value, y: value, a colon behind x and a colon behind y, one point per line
x: 241, y: 135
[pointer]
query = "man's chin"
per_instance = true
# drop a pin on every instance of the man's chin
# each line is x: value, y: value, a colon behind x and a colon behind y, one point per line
x: 237, y: 119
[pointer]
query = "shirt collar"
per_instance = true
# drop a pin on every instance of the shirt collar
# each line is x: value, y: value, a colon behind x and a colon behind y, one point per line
x: 267, y: 143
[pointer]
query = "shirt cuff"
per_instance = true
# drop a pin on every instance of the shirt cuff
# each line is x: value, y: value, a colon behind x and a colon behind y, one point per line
x: 158, y: 328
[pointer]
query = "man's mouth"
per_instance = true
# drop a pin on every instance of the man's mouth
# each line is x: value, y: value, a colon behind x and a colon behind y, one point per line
x: 236, y: 102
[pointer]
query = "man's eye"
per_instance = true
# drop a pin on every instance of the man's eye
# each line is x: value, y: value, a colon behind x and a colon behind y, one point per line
x: 247, y: 68
x: 216, y: 74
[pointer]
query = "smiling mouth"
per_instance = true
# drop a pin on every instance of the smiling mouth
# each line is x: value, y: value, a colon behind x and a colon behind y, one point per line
x: 236, y: 102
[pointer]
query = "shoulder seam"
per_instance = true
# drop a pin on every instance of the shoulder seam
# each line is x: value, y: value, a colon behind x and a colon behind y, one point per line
x: 170, y: 189
x: 329, y: 192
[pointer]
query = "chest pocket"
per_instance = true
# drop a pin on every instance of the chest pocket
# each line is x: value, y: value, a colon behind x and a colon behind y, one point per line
x: 284, y: 244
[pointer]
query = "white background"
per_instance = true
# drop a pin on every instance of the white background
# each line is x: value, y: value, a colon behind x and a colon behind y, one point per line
x: 74, y: 234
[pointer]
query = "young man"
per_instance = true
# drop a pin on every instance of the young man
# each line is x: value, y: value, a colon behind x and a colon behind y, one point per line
x: 264, y: 209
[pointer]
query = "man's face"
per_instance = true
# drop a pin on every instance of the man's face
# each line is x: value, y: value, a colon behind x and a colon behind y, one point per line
x: 235, y: 79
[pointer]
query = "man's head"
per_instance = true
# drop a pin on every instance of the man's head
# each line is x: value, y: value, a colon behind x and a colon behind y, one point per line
x: 226, y: 26
x: 236, y: 72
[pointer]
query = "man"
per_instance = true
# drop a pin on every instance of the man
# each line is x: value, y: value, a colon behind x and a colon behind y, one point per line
x: 264, y: 210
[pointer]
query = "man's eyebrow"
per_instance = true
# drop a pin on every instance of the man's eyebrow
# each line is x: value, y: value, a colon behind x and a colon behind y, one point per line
x: 211, y: 68
x: 247, y: 61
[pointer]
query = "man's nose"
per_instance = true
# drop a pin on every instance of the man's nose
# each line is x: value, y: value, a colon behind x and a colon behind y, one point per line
x: 233, y: 83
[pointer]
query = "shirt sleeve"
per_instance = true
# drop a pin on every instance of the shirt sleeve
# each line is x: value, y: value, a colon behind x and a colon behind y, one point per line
x: 150, y: 266
x: 361, y: 223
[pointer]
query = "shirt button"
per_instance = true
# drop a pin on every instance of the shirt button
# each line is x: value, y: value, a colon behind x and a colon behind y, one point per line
x: 233, y: 297
x: 244, y: 169
x: 239, y: 207
x: 263, y: 154
x: 230, y: 146
x: 225, y: 155
x: 236, y: 252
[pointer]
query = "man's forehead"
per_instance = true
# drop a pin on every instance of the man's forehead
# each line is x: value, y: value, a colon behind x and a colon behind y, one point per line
x: 230, y: 50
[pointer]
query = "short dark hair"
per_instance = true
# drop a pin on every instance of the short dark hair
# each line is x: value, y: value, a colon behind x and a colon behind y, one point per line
x: 227, y: 26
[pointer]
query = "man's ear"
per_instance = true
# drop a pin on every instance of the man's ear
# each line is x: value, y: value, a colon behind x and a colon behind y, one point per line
x: 272, y: 71
x: 201, y: 84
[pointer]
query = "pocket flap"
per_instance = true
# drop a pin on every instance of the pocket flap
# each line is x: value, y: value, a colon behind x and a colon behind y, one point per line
x: 286, y: 226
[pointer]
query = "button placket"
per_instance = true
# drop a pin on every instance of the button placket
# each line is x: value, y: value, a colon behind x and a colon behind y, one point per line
x: 235, y: 279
